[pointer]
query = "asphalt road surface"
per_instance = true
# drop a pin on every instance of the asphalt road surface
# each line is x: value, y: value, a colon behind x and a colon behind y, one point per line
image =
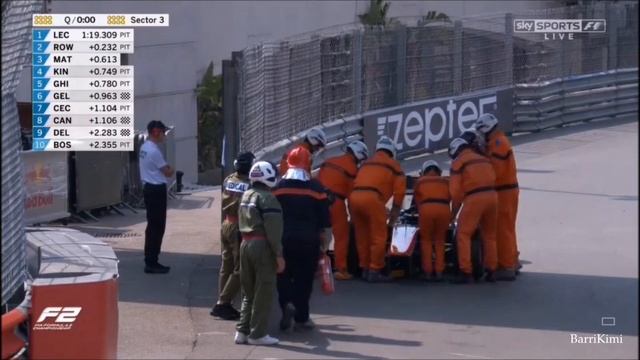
x: 578, y: 236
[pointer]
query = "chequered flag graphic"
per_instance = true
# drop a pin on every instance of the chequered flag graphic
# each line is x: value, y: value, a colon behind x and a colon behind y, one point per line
x: 125, y: 120
x: 125, y: 96
x: 125, y: 132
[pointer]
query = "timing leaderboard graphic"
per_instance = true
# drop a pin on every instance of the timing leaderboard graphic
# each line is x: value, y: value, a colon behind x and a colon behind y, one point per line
x: 82, y: 94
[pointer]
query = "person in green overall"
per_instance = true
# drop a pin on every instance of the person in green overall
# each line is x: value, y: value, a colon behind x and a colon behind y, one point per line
x: 229, y: 280
x: 260, y: 222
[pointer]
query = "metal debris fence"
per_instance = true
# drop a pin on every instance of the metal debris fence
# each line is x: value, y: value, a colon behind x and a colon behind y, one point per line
x: 16, y: 38
x: 291, y: 85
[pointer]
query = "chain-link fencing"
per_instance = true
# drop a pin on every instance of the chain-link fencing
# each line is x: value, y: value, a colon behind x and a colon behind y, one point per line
x: 292, y: 85
x: 16, y: 38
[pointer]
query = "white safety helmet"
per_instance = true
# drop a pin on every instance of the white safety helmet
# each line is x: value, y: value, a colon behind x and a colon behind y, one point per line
x: 430, y: 163
x: 316, y: 137
x: 455, y: 145
x: 485, y: 123
x: 385, y: 143
x: 359, y: 149
x: 263, y: 172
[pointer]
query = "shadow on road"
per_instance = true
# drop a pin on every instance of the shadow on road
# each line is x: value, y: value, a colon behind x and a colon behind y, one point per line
x: 190, y: 202
x: 544, y: 301
x: 320, y: 340
x: 192, y: 281
x: 322, y: 349
x: 110, y: 219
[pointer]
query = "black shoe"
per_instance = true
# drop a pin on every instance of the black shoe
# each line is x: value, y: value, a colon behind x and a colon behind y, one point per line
x: 365, y: 274
x: 225, y: 312
x: 490, y: 276
x: 217, y: 310
x: 462, y: 278
x: 519, y: 266
x: 286, y: 323
x: 505, y: 275
x: 235, y: 312
x: 377, y: 277
x: 156, y: 269
x: 307, y: 325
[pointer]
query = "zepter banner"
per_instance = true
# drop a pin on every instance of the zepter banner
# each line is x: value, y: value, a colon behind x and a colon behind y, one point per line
x: 428, y: 126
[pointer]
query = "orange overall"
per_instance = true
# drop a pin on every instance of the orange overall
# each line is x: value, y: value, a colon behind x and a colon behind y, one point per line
x: 337, y: 175
x: 504, y: 164
x: 284, y: 166
x: 378, y: 179
x: 431, y: 194
x: 472, y: 185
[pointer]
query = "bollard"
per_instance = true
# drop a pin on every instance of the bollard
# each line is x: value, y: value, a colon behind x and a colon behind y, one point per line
x: 179, y: 175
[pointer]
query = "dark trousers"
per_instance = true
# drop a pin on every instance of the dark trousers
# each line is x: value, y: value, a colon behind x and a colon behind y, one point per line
x: 155, y: 201
x: 296, y: 282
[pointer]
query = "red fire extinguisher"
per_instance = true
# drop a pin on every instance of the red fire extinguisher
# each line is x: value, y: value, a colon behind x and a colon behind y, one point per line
x: 326, y: 273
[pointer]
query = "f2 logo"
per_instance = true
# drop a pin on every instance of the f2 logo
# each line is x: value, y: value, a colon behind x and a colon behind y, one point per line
x: 62, y: 314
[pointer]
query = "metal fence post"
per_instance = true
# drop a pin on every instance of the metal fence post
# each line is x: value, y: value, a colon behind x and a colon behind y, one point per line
x: 240, y: 105
x: 612, y: 32
x: 508, y: 47
x: 457, y: 57
x: 357, y: 71
x: 229, y: 106
x: 563, y: 59
x: 401, y: 64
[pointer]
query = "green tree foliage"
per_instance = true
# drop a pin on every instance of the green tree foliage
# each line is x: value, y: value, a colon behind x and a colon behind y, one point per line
x: 377, y: 13
x: 210, y: 120
x: 434, y: 16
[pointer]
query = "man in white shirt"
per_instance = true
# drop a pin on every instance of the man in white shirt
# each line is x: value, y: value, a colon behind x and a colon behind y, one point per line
x: 154, y: 172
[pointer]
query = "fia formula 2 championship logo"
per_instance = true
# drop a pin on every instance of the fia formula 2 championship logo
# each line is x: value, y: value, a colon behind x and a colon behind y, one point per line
x: 57, y: 318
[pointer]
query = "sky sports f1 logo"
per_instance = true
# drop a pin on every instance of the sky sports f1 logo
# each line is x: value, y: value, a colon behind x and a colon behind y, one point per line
x: 560, y: 29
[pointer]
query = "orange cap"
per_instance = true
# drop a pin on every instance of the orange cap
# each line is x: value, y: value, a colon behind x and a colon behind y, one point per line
x: 299, y: 158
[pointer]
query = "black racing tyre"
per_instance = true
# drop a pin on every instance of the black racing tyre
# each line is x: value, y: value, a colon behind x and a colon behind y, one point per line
x: 450, y: 253
x: 417, y: 256
x: 352, y: 257
x: 451, y: 256
x: 477, y: 256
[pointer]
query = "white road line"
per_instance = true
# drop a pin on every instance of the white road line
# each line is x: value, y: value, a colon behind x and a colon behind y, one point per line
x: 214, y: 333
x: 470, y: 356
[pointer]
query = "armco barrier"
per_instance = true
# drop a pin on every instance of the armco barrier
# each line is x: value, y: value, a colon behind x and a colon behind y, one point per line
x: 339, y: 133
x: 575, y: 99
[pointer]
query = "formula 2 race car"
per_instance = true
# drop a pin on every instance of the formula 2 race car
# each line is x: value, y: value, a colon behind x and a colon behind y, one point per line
x: 404, y: 254
x: 403, y: 259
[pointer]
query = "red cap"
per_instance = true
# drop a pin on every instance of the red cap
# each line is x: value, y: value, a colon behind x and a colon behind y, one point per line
x: 299, y: 158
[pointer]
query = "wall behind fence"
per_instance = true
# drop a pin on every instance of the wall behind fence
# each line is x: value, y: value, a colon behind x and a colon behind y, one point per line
x: 46, y: 175
x: 338, y: 74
